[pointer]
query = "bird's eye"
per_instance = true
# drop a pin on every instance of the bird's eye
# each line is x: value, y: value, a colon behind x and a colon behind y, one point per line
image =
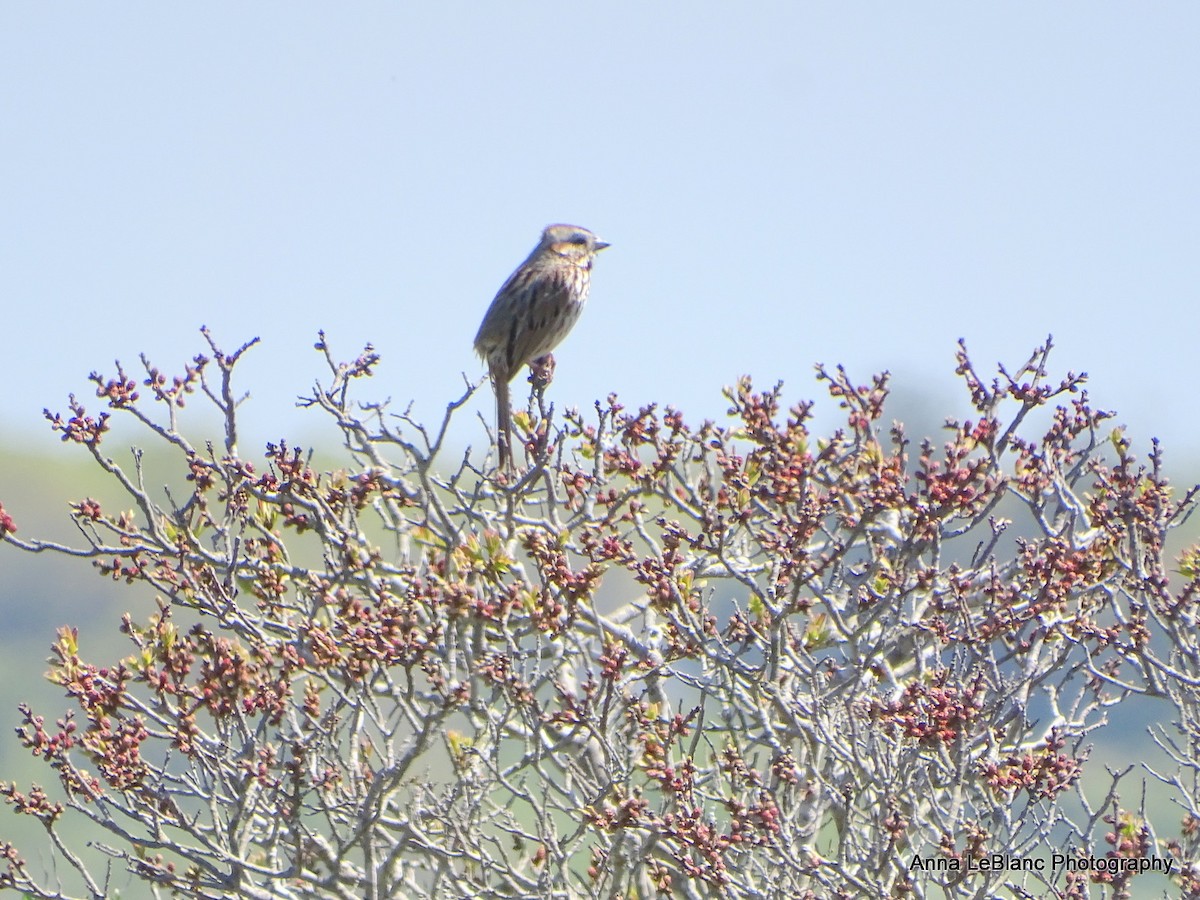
x: 578, y: 239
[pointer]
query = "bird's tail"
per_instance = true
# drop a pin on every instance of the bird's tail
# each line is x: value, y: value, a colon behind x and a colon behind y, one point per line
x: 503, y: 424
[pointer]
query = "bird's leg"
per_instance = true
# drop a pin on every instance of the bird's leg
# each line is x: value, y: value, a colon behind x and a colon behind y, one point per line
x: 542, y: 371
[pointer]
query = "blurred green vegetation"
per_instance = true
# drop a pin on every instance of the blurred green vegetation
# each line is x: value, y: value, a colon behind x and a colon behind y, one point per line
x: 40, y: 593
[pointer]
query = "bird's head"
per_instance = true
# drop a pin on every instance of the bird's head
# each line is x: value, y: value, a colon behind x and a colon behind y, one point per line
x: 571, y: 242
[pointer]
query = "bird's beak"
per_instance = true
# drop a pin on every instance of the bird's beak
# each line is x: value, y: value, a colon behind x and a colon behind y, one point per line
x: 600, y: 245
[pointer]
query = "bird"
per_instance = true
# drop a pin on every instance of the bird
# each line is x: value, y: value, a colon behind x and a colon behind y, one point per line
x: 532, y: 312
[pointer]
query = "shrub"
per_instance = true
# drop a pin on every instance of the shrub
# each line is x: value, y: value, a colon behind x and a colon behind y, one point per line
x: 667, y: 660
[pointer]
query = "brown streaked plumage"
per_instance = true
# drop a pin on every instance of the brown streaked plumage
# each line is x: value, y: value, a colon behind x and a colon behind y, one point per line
x: 533, y: 312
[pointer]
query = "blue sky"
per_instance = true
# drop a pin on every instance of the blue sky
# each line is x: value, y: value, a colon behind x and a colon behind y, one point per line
x: 782, y: 184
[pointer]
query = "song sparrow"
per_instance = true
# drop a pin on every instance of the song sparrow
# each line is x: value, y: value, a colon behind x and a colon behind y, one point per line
x: 532, y: 313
